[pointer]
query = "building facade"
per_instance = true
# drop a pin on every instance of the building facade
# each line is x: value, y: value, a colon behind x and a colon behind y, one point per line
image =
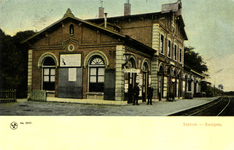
x: 192, y: 83
x: 104, y: 58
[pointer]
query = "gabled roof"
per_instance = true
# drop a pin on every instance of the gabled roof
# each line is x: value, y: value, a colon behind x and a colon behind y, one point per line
x: 127, y: 17
x: 69, y: 16
x: 181, y: 21
x: 186, y: 68
x: 68, y: 13
x: 109, y: 24
x: 146, y: 15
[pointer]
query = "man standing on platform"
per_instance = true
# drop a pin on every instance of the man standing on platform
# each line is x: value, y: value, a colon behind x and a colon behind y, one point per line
x: 136, y: 94
x: 150, y: 95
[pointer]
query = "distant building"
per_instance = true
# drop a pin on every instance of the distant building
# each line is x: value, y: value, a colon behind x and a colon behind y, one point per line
x: 104, y: 58
x: 192, y: 83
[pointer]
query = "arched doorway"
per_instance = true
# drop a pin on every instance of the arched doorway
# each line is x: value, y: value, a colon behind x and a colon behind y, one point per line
x: 96, y: 74
x: 186, y: 83
x: 160, y: 82
x: 195, y: 87
x: 48, y: 74
x: 145, y: 81
x: 130, y: 79
x: 169, y: 83
x: 180, y: 84
x: 185, y: 86
x: 100, y: 79
x: 174, y: 85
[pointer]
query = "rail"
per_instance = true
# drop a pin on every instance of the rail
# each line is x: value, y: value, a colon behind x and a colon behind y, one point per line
x: 205, y: 108
x: 215, y: 105
x: 214, y: 108
x: 224, y: 107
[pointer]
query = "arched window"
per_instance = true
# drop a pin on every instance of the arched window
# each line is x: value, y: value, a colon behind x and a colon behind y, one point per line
x: 190, y: 85
x: 161, y: 70
x: 48, y: 61
x: 169, y: 71
x: 96, y: 74
x: 145, y: 67
x: 48, y: 71
x: 71, y: 29
x: 131, y: 64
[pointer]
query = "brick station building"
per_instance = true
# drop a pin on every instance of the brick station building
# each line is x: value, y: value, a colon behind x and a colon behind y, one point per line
x: 104, y: 58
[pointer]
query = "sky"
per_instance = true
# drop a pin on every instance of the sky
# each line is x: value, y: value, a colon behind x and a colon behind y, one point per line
x: 209, y: 24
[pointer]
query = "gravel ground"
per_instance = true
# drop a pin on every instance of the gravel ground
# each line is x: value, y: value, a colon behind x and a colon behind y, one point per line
x: 159, y: 108
x: 29, y: 108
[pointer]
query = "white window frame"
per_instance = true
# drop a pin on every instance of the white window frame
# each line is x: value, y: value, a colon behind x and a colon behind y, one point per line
x: 96, y: 67
x: 50, y: 67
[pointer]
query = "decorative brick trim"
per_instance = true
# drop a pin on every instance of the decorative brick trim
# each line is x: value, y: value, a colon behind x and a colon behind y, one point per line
x: 119, y: 83
x: 155, y: 38
x: 154, y: 76
x: 30, y: 52
x: 147, y: 62
x: 98, y: 53
x: 47, y: 54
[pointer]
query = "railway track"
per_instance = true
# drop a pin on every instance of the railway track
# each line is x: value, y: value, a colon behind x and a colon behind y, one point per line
x: 214, y: 108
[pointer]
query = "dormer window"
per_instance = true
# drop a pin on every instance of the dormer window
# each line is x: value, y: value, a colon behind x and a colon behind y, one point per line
x: 71, y: 30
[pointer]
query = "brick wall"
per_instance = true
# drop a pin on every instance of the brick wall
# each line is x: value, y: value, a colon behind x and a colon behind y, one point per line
x: 84, y: 39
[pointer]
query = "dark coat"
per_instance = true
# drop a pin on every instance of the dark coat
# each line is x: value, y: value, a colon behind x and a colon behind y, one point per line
x: 150, y: 92
x: 136, y: 90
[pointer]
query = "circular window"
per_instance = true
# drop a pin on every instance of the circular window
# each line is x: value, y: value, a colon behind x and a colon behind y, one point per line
x: 71, y: 47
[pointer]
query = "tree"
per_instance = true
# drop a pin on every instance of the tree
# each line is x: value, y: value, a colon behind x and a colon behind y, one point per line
x: 194, y: 61
x: 13, y: 64
x: 220, y: 87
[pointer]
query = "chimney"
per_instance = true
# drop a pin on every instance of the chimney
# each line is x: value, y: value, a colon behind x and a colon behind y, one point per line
x: 127, y: 9
x: 101, y: 11
x: 173, y: 7
x: 105, y: 20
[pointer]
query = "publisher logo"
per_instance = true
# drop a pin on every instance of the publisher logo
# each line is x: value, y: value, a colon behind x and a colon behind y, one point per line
x: 13, y: 125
